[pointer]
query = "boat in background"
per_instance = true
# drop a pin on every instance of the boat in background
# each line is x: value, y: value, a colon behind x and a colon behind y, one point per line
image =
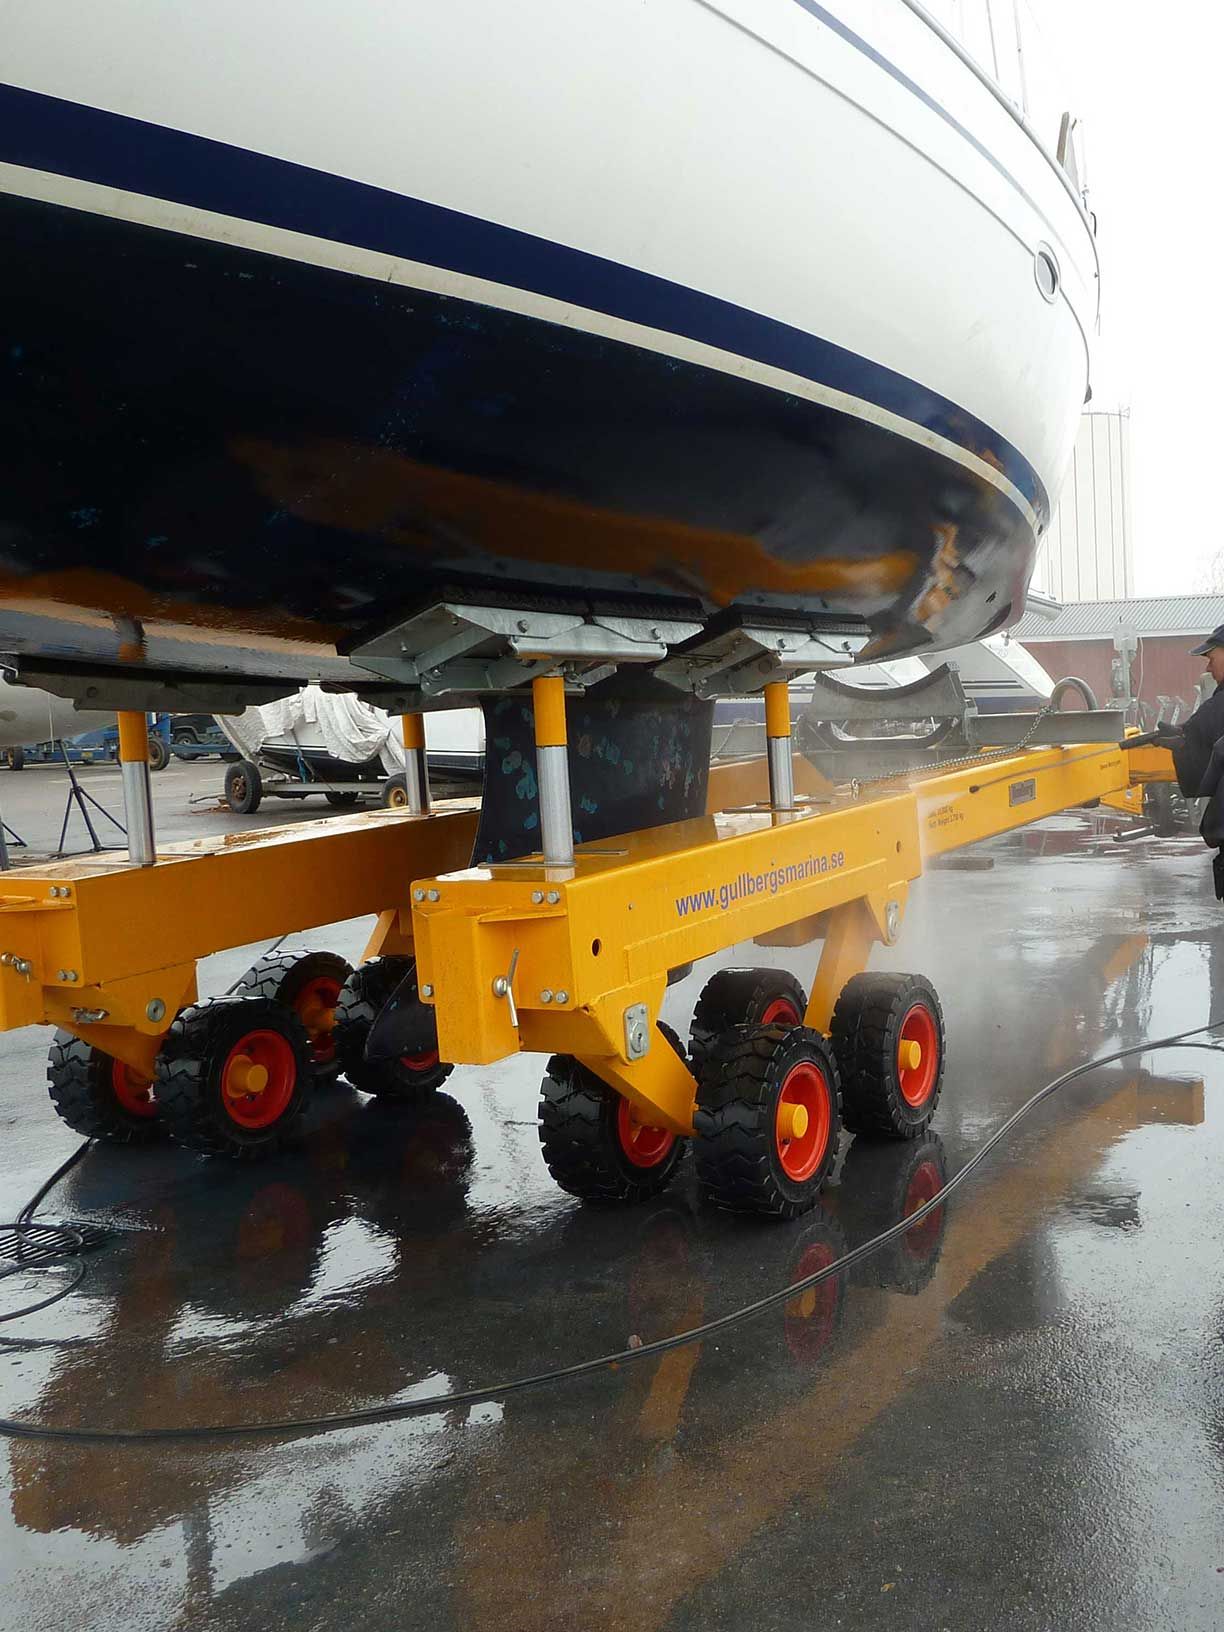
x: 997, y: 676
x: 29, y: 716
x: 671, y: 314
x: 338, y: 746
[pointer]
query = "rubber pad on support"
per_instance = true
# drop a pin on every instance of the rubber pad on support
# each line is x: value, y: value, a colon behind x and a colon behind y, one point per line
x: 639, y: 756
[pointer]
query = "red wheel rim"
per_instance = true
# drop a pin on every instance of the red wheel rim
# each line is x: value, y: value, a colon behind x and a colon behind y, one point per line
x: 133, y: 1092
x: 258, y: 1079
x: 917, y: 1082
x: 923, y: 1239
x: 809, y: 1318
x: 780, y: 1011
x: 315, y: 1007
x: 643, y: 1145
x: 802, y: 1150
x: 420, y: 1062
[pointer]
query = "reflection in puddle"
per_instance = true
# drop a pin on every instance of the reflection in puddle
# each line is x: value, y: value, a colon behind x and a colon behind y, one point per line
x: 402, y: 1253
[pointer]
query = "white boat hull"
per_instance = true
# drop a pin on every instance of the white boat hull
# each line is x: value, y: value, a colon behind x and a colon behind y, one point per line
x: 727, y: 304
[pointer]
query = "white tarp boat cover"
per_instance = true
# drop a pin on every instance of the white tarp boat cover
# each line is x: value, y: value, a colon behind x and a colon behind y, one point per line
x: 347, y: 729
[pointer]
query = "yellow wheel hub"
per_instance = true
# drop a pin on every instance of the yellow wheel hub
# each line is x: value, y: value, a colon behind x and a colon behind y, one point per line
x: 245, y: 1078
x: 909, y: 1056
x: 792, y: 1121
x: 317, y: 1017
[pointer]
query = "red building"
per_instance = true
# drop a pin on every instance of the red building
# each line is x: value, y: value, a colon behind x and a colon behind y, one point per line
x: 1079, y: 639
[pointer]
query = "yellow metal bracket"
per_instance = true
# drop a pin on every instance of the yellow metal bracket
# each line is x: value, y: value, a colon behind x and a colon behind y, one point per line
x: 571, y: 958
x: 591, y: 945
x: 108, y: 950
x: 529, y: 957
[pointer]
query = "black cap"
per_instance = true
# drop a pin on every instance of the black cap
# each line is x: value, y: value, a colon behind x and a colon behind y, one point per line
x: 1215, y: 638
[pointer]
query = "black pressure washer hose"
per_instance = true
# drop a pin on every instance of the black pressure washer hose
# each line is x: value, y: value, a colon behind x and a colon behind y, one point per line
x: 74, y: 1239
x: 390, y: 1411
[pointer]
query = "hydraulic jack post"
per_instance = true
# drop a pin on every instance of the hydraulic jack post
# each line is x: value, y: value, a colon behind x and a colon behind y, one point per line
x: 552, y: 770
x: 137, y: 787
x: 778, y: 745
x: 416, y: 764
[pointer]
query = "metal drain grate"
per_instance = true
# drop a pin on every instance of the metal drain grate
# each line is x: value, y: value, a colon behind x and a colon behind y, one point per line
x: 34, y: 1244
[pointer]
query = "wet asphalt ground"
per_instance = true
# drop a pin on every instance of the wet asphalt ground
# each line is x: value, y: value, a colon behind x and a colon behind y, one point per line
x: 1012, y: 1419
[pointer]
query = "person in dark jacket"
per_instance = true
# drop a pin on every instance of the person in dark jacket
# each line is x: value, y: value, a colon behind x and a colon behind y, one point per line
x: 1198, y: 753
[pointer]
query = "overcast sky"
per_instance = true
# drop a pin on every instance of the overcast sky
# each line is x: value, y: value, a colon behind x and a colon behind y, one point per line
x: 1145, y: 80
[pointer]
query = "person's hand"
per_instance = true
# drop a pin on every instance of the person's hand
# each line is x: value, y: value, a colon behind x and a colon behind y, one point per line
x: 1170, y: 736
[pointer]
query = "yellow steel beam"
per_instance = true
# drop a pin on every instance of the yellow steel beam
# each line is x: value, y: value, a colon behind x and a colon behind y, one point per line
x: 1127, y: 803
x: 580, y: 949
x: 525, y: 956
x: 95, y: 934
x: 1150, y: 764
x: 851, y: 933
x: 538, y: 958
x: 978, y: 801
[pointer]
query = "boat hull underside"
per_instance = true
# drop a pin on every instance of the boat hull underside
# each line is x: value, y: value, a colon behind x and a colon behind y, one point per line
x: 240, y: 450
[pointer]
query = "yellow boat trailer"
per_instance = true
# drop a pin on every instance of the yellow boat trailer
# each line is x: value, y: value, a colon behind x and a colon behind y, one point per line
x: 568, y: 952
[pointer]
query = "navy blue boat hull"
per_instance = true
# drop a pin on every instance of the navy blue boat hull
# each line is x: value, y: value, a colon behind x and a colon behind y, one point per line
x: 235, y: 443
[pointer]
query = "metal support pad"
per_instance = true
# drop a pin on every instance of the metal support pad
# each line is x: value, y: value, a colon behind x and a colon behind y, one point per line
x: 146, y: 688
x: 742, y: 660
x: 453, y: 647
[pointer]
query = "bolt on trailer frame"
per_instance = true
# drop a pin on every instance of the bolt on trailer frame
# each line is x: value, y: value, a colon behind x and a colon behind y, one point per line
x: 566, y: 952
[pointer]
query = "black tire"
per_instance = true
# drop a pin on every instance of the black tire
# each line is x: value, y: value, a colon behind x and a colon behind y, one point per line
x: 195, y: 1089
x: 743, y: 1163
x: 394, y: 794
x: 744, y: 997
x: 16, y: 759
x: 243, y: 788
x: 868, y: 1023
x: 589, y: 1140
x: 342, y: 801
x: 159, y: 752
x: 308, y: 984
x: 184, y: 734
x: 98, y: 1096
x: 884, y: 1183
x: 365, y: 992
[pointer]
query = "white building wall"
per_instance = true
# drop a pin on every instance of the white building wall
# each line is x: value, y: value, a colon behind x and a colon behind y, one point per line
x: 1088, y: 553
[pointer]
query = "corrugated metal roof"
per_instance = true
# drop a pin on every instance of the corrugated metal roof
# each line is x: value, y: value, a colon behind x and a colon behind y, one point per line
x: 1158, y: 615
